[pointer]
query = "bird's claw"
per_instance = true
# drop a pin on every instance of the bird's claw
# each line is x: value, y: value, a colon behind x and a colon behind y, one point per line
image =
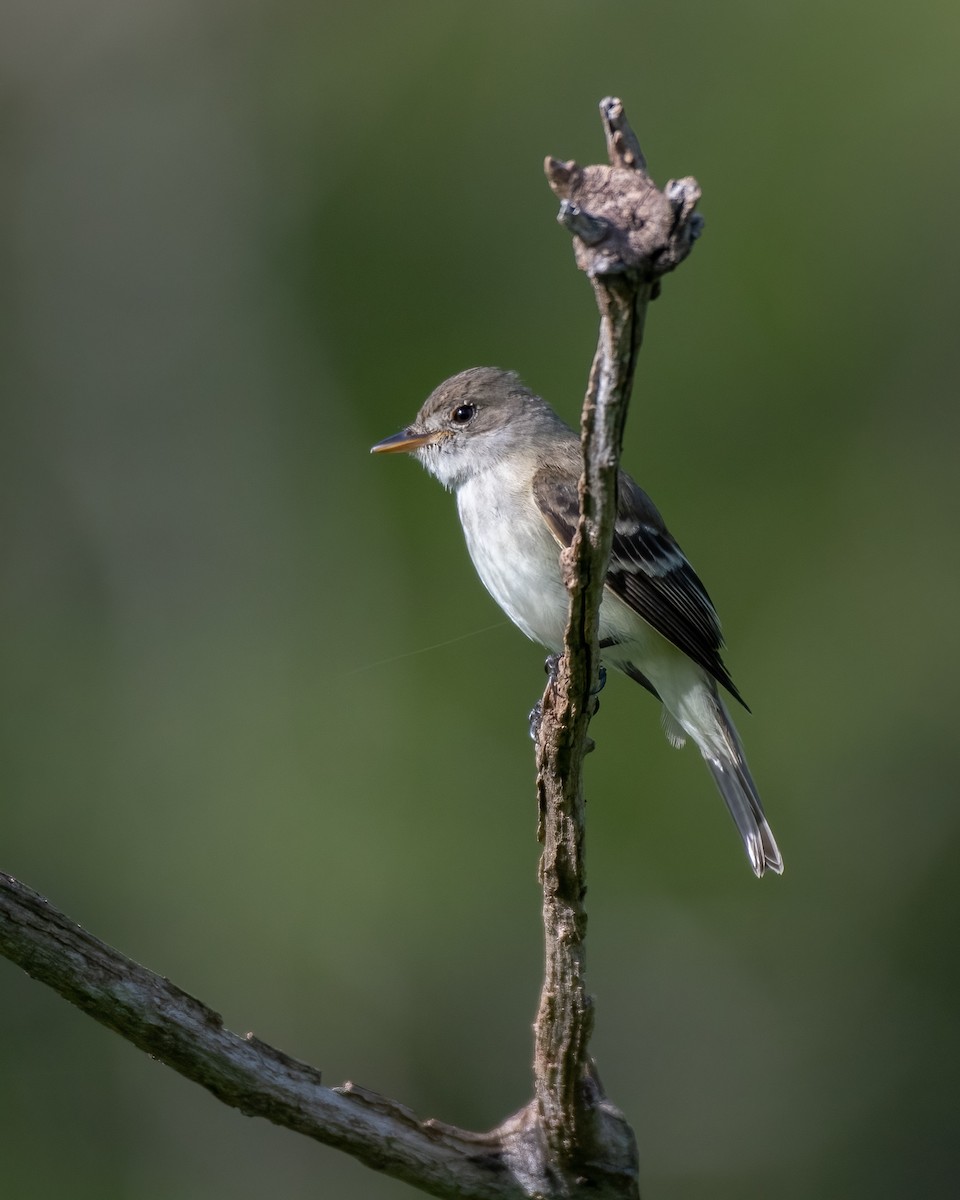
x: 552, y: 668
x: 535, y: 718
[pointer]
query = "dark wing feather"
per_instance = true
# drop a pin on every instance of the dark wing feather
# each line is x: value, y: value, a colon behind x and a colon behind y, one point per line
x: 648, y: 570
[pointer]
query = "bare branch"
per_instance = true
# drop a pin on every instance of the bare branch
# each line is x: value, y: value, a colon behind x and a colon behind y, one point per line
x: 626, y: 235
x: 244, y: 1072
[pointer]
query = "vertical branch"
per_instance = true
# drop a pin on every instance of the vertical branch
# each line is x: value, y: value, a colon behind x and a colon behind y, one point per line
x: 626, y: 234
x: 564, y: 1022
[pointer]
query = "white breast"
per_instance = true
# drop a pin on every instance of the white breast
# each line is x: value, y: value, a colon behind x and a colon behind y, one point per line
x: 514, y: 553
x: 518, y: 560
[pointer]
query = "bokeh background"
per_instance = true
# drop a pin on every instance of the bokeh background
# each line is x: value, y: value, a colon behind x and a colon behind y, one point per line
x: 261, y: 727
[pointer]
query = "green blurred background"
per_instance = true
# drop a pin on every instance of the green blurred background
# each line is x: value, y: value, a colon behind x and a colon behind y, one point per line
x: 240, y: 738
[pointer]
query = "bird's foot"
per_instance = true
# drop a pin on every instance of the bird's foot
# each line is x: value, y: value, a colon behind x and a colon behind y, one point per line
x: 535, y: 718
x: 595, y: 692
x: 552, y: 667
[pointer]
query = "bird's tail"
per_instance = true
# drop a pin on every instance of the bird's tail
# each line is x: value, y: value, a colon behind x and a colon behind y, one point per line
x: 700, y: 714
x: 728, y: 765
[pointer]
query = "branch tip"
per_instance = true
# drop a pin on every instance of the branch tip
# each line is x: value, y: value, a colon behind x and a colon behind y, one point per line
x: 646, y: 231
x: 623, y: 145
x: 562, y: 176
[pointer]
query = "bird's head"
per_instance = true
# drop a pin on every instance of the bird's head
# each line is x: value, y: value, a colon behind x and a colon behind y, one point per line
x: 470, y: 423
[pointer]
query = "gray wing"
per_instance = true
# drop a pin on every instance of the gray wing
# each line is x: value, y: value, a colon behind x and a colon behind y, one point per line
x: 648, y: 570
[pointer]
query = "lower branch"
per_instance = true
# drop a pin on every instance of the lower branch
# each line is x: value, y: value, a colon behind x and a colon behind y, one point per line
x: 246, y: 1073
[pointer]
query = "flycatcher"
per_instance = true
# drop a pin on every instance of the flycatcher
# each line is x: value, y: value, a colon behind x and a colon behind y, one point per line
x: 514, y: 466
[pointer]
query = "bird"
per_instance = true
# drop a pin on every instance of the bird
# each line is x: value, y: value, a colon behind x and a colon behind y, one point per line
x: 514, y: 466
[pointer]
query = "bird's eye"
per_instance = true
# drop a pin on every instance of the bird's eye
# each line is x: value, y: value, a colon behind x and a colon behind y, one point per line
x: 463, y: 413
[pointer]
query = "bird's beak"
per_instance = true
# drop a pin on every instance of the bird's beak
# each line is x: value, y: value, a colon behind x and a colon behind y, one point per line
x: 406, y: 439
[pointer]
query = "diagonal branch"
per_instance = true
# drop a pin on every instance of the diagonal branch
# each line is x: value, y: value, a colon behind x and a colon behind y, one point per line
x: 244, y: 1072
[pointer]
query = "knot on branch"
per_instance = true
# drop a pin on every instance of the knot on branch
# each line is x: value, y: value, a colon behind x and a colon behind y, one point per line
x: 602, y: 1162
x: 620, y: 220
